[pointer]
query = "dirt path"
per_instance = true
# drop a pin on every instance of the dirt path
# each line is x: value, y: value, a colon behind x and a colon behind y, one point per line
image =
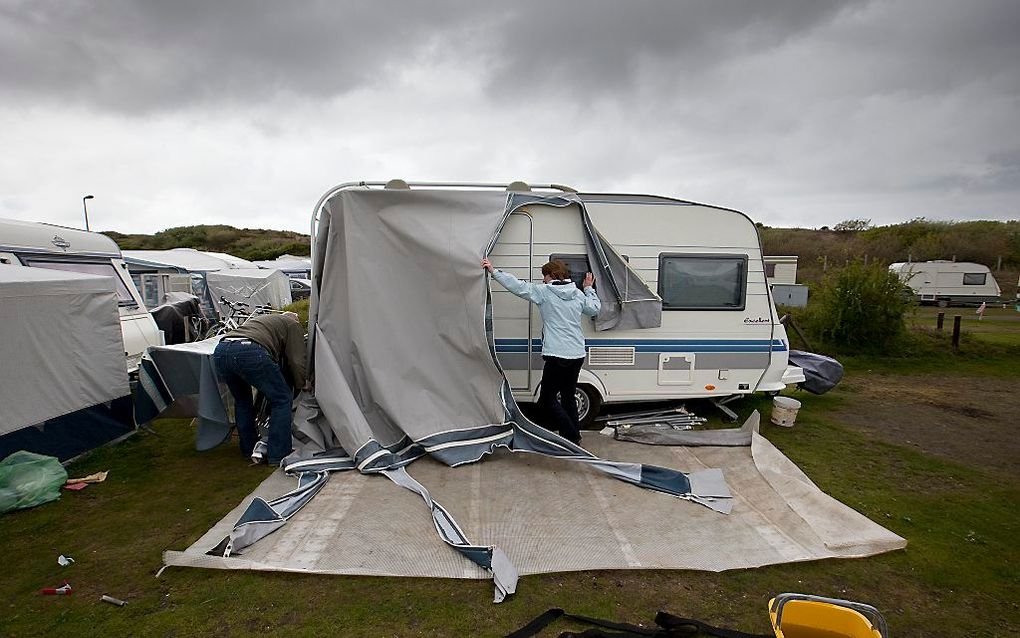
x: 972, y: 420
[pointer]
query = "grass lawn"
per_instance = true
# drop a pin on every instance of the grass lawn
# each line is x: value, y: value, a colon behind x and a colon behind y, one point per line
x: 959, y: 575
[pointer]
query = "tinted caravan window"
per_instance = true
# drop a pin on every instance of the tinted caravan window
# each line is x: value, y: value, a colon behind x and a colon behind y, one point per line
x: 702, y: 282
x: 974, y: 278
x: 578, y: 265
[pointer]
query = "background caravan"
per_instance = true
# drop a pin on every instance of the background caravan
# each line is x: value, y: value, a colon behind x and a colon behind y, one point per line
x: 700, y: 266
x: 58, y: 248
x: 945, y: 283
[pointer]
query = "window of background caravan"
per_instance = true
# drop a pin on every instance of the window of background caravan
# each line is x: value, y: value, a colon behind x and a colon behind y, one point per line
x: 104, y: 269
x: 578, y: 265
x: 702, y: 282
x: 974, y: 278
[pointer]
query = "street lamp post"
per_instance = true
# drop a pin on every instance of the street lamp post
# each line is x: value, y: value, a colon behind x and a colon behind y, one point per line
x: 85, y: 206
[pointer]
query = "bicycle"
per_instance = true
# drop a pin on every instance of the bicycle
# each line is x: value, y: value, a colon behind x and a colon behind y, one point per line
x: 239, y: 313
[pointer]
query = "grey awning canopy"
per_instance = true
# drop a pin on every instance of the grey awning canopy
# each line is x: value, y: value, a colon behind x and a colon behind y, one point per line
x: 403, y: 358
x: 62, y: 346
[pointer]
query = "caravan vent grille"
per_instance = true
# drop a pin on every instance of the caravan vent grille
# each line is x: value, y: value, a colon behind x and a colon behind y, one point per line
x: 610, y: 356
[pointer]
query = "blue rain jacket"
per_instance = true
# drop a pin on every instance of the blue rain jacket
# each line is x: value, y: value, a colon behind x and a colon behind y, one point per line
x: 561, y: 305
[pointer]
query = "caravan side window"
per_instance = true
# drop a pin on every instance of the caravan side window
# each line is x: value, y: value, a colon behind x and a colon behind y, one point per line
x: 702, y: 282
x: 578, y: 265
x: 974, y: 278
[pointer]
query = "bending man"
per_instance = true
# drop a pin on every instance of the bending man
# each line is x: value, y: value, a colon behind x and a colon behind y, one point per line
x: 253, y: 355
x: 561, y: 305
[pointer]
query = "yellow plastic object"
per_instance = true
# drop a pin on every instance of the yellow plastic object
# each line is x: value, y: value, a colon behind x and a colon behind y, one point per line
x: 806, y: 616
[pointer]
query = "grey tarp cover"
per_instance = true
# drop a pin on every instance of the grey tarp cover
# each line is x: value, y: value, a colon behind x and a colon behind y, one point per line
x: 251, y: 286
x: 779, y: 516
x: 61, y: 343
x: 180, y: 380
x: 821, y: 373
x: 404, y: 366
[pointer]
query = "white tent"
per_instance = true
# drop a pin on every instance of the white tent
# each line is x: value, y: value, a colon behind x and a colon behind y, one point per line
x: 186, y: 259
x: 299, y: 267
x: 251, y: 286
x: 62, y: 351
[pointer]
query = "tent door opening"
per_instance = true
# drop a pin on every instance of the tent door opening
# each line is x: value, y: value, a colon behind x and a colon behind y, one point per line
x: 521, y: 225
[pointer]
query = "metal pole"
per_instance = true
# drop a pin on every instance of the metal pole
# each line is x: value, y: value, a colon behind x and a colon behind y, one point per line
x: 86, y: 209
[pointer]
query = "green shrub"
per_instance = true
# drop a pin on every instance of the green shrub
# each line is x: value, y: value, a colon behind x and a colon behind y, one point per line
x: 859, y: 307
x: 301, y: 308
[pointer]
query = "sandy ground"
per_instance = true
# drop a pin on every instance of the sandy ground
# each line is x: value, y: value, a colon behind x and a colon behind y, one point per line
x: 968, y: 419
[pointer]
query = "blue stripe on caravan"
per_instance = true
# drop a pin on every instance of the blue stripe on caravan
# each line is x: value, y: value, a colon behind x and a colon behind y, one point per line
x: 659, y: 345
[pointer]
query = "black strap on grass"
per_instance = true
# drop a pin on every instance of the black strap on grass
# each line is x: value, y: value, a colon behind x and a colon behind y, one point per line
x: 670, y: 626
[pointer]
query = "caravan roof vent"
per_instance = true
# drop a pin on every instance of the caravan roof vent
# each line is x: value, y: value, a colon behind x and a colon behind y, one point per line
x: 519, y: 186
x: 397, y: 184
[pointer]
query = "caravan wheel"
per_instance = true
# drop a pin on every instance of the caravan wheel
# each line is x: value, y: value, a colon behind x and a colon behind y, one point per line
x: 589, y: 402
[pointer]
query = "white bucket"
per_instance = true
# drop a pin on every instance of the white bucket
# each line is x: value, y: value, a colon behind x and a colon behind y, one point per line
x: 784, y: 411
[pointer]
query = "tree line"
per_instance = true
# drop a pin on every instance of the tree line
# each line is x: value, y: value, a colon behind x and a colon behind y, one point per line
x: 246, y: 243
x: 995, y: 244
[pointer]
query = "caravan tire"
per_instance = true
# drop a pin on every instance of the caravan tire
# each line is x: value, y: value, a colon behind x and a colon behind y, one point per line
x: 943, y: 303
x: 589, y: 402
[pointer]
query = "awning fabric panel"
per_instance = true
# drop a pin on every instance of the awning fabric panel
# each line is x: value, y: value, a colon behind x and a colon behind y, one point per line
x: 251, y: 286
x: 62, y: 346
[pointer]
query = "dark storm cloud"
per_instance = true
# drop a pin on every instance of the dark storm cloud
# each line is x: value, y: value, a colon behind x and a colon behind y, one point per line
x: 129, y: 56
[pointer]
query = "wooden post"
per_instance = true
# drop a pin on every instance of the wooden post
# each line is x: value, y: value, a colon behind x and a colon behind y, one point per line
x: 825, y: 263
x: 956, y: 333
x: 939, y: 321
x: 999, y: 267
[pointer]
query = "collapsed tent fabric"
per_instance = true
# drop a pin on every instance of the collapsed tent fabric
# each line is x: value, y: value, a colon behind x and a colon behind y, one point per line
x: 250, y: 286
x: 404, y: 364
x: 518, y: 503
x: 180, y: 380
x: 62, y: 346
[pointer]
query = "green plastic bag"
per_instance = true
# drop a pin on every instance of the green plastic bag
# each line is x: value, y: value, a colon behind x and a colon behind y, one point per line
x: 28, y: 479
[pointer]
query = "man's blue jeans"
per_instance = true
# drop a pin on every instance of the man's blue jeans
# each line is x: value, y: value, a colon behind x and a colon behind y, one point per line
x: 242, y: 365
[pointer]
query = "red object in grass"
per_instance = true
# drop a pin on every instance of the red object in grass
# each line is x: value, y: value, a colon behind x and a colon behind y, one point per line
x: 63, y: 590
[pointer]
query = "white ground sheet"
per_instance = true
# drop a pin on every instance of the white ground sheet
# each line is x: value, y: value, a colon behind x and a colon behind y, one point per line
x: 550, y: 515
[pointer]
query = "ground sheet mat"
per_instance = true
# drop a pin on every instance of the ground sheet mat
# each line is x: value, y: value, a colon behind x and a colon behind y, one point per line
x: 549, y: 515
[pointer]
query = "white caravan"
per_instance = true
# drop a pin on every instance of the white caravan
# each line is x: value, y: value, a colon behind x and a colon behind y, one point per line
x: 720, y: 336
x: 948, y: 283
x: 58, y: 248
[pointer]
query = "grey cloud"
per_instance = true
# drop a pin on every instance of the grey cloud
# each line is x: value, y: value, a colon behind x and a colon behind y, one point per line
x: 138, y: 56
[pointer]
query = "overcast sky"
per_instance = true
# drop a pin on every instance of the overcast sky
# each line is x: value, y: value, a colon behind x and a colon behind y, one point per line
x: 798, y: 112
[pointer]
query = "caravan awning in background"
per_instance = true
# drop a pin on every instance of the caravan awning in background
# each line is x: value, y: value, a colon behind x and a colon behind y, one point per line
x: 61, y: 342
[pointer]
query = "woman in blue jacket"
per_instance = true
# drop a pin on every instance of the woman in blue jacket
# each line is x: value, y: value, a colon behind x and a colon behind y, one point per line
x: 561, y: 305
